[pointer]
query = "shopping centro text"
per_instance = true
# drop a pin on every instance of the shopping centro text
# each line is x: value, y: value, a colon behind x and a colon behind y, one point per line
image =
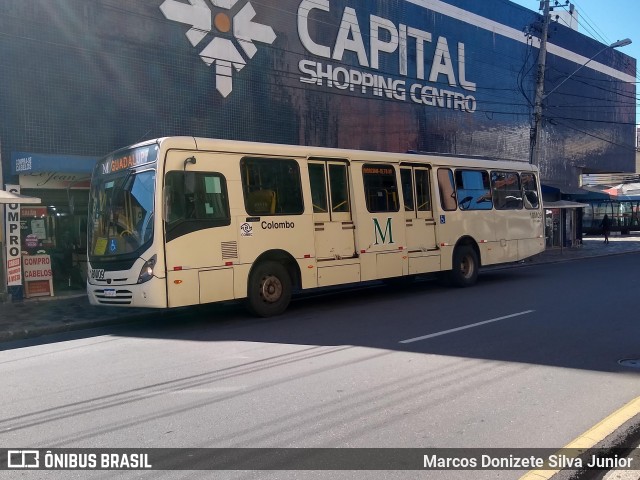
x: 386, y: 38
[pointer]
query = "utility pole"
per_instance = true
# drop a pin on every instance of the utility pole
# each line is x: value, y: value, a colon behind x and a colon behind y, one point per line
x: 537, y: 109
x: 3, y: 265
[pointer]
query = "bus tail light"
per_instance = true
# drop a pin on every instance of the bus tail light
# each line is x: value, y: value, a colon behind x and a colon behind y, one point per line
x: 146, y: 273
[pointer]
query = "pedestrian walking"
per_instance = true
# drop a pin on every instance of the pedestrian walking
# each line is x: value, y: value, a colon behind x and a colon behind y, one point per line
x: 606, y: 227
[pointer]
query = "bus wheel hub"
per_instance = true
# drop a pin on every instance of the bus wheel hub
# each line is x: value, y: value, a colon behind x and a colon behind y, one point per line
x: 271, y: 289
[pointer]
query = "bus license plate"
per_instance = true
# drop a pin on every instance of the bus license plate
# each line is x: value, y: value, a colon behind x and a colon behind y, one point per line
x: 97, y: 274
x: 109, y: 292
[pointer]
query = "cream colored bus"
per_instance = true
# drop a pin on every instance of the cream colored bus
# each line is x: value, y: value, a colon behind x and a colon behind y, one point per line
x: 183, y: 221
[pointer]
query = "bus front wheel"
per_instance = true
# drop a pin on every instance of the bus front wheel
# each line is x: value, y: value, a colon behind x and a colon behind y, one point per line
x: 269, y: 289
x: 465, y: 266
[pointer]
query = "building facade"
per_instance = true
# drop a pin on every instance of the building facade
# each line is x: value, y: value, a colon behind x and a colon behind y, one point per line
x: 84, y: 77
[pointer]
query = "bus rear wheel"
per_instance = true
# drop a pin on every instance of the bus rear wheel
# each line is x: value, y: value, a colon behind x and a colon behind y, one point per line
x: 465, y: 266
x: 269, y: 290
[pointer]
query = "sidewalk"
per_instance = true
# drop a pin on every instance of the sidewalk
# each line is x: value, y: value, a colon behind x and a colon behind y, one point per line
x: 71, y: 310
x: 36, y: 317
x: 592, y: 246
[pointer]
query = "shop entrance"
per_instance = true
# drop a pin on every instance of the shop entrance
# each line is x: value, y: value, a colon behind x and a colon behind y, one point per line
x: 553, y: 227
x: 59, y: 230
x: 563, y: 224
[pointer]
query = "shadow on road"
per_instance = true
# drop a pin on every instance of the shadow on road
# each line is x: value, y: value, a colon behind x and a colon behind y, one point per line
x: 576, y: 315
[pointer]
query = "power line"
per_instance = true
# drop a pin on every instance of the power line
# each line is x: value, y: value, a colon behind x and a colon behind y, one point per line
x: 622, y: 145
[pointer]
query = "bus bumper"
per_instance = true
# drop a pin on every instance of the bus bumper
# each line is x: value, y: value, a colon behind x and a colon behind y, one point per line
x: 151, y: 294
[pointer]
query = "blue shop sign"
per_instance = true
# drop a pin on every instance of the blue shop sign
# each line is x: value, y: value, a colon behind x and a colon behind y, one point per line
x: 23, y: 163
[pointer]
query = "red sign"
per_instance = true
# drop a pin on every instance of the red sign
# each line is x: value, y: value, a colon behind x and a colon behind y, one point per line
x: 37, y: 266
x: 33, y: 211
x: 38, y: 288
x: 37, y: 273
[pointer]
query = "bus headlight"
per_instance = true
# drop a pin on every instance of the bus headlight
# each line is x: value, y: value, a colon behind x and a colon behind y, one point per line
x: 146, y: 273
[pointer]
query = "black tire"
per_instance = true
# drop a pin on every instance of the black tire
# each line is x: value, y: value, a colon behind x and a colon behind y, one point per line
x: 465, y: 266
x: 269, y: 289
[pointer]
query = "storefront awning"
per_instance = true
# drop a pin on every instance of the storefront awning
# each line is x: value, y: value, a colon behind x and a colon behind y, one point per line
x: 10, y: 198
x: 625, y: 190
x: 564, y: 189
x: 23, y: 163
x: 564, y: 204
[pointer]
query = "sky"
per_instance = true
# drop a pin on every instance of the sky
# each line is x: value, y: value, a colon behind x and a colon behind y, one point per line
x: 607, y: 21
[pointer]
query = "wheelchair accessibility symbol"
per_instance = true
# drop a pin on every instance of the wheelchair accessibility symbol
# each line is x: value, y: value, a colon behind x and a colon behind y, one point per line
x: 113, y: 245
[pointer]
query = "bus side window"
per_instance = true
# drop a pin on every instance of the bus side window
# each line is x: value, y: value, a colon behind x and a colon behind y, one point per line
x: 339, y: 188
x: 529, y: 190
x: 318, y: 181
x: 447, y: 189
x: 507, y: 194
x: 174, y: 198
x: 474, y: 190
x: 381, y: 191
x: 423, y: 191
x: 200, y: 196
x: 271, y: 186
x: 329, y: 188
x: 407, y: 189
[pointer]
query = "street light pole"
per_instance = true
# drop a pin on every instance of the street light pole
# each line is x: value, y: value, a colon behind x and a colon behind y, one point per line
x: 540, y: 95
x: 619, y: 43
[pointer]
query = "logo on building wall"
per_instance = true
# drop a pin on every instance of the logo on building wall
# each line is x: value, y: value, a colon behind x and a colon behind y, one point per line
x: 221, y: 51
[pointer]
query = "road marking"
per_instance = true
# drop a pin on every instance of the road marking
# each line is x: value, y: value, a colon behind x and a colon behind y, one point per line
x: 206, y: 391
x: 473, y: 325
x: 591, y: 438
x: 199, y: 391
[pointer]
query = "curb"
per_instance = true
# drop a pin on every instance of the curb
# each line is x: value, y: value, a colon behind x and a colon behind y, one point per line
x: 42, y: 330
x: 532, y: 263
x: 620, y: 431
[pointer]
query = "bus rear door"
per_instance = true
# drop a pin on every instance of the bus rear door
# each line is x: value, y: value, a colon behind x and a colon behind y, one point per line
x: 333, y: 224
x: 420, y: 225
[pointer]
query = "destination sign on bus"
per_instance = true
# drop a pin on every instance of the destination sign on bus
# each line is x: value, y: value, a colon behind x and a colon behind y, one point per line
x: 377, y: 170
x: 129, y: 159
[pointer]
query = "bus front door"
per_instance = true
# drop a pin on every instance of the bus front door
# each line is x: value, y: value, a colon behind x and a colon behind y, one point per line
x: 201, y: 236
x: 334, y: 228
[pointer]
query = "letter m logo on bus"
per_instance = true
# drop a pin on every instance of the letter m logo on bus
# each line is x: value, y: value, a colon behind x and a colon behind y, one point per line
x: 380, y: 235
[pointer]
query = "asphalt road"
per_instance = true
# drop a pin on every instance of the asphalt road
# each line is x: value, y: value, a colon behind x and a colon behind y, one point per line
x: 527, y: 358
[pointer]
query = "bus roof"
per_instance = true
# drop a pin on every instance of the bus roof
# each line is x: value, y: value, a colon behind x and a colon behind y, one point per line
x: 301, y: 151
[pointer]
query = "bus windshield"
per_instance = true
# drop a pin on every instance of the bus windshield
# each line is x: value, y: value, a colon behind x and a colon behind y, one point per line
x: 121, y: 209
